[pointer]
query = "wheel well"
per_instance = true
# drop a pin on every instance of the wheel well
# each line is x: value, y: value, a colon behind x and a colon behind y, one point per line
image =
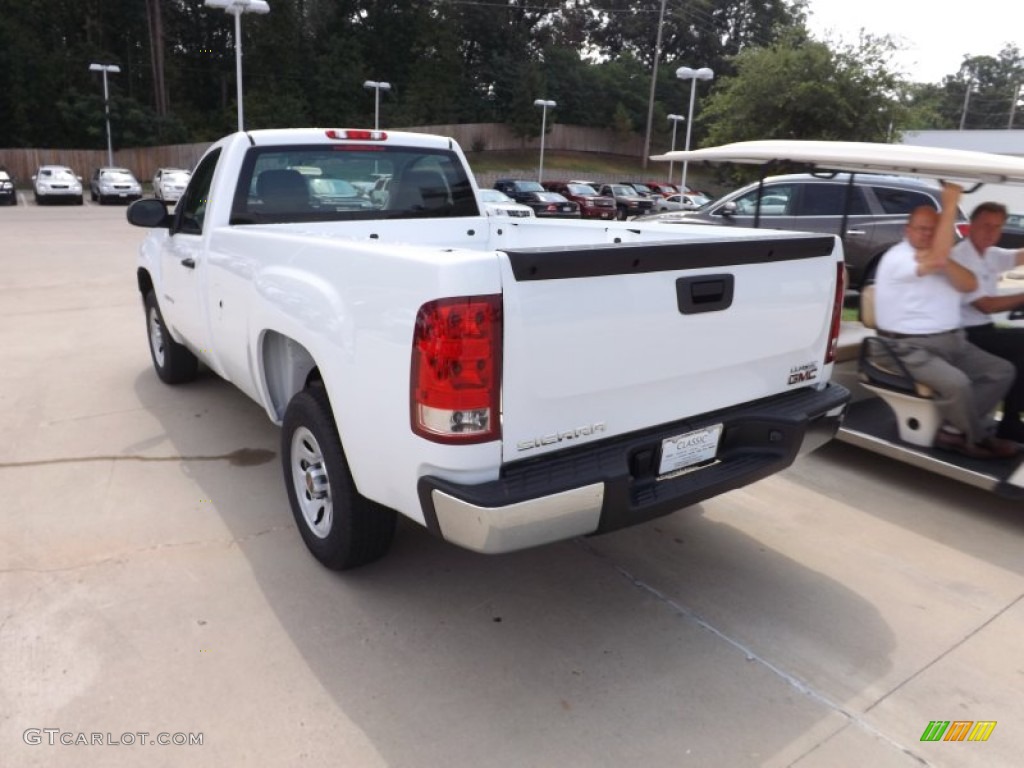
x: 288, y: 368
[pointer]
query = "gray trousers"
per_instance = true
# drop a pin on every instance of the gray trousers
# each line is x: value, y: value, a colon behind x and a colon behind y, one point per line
x: 969, y: 383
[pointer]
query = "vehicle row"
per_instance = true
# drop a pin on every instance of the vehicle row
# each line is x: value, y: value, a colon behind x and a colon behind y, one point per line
x: 60, y: 184
x: 583, y: 198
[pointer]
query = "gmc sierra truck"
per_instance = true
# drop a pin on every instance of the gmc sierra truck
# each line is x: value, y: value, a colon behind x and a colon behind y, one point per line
x: 505, y: 383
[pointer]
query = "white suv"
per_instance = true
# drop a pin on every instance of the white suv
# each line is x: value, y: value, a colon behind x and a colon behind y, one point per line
x: 169, y: 184
x: 56, y: 182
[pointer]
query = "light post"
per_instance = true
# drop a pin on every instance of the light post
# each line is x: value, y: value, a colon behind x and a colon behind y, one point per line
x: 693, y: 75
x: 675, y: 122
x: 236, y: 8
x: 112, y: 69
x: 967, y: 100
x: 654, y: 81
x: 376, y: 87
x: 544, y: 104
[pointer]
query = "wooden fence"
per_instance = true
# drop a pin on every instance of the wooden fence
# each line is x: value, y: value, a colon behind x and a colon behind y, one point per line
x: 492, y: 137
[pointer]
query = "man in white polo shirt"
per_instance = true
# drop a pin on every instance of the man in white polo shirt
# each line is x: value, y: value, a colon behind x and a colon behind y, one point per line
x: 917, y: 296
x: 979, y: 254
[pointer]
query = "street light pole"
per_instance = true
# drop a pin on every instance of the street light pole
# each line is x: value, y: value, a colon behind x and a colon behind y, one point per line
x: 675, y: 122
x: 654, y: 80
x: 543, y: 104
x: 967, y: 100
x: 112, y: 69
x: 236, y: 8
x: 693, y: 75
x: 377, y: 87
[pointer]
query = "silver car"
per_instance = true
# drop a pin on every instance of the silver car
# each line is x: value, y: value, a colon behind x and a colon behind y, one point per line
x: 876, y: 209
x: 169, y: 183
x: 114, y: 184
x: 56, y: 182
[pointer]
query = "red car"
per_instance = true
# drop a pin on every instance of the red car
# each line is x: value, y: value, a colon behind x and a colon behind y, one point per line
x: 592, y: 205
x: 661, y: 188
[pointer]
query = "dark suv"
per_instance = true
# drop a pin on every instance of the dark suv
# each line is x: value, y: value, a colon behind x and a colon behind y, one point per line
x: 592, y: 205
x: 545, y: 204
x: 877, y: 211
x: 627, y: 202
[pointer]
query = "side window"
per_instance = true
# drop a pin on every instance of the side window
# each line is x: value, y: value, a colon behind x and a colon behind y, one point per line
x: 192, y: 208
x: 830, y: 200
x: 777, y: 200
x: 901, y: 200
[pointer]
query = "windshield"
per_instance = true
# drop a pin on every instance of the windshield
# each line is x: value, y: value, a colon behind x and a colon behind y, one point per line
x: 329, y: 183
x: 59, y: 173
x: 582, y: 189
x: 529, y: 186
x: 118, y: 174
x: 621, y: 191
x: 175, y: 177
x: 494, y: 196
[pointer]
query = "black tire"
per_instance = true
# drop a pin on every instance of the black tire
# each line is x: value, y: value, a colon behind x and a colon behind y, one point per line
x: 78, y: 200
x: 40, y: 199
x: 174, y: 363
x: 342, y: 528
x: 620, y: 214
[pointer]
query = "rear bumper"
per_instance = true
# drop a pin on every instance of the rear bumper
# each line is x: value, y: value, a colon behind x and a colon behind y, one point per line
x: 613, y: 484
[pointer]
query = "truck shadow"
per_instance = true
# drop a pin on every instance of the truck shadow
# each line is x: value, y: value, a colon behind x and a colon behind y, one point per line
x: 559, y: 655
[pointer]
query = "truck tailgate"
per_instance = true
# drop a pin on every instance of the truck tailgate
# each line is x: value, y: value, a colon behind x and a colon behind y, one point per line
x: 602, y: 341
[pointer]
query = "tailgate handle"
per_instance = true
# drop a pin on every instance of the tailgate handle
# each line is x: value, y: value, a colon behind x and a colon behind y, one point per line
x: 707, y: 293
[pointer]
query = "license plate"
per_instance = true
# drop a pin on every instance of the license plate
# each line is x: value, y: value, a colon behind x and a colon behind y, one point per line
x: 688, y: 449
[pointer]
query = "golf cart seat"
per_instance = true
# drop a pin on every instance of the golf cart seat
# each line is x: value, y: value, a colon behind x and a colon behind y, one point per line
x: 882, y: 373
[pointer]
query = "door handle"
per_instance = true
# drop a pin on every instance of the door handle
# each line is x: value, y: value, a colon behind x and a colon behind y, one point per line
x: 188, y: 262
x: 856, y: 232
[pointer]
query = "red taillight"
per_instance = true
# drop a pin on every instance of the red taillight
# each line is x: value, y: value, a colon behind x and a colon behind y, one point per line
x: 455, y: 382
x: 356, y: 135
x: 551, y: 207
x: 963, y: 228
x: 837, y: 313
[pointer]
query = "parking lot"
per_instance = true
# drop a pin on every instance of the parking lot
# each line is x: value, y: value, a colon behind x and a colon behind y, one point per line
x: 154, y: 583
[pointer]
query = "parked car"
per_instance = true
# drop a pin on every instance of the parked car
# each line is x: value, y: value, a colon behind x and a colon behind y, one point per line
x: 497, y: 203
x: 56, y: 182
x: 679, y: 202
x: 169, y: 183
x: 8, y: 194
x: 592, y: 205
x: 876, y: 213
x: 544, y: 204
x: 641, y: 189
x: 110, y: 184
x: 661, y: 188
x: 627, y: 202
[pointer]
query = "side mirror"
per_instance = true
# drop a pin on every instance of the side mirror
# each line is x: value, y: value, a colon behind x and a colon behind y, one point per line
x: 729, y: 209
x: 150, y: 213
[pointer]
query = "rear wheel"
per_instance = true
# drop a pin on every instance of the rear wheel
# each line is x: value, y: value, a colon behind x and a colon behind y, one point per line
x: 342, y: 528
x: 174, y: 363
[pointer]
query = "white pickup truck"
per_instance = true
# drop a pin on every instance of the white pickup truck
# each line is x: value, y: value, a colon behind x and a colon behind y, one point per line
x: 504, y: 382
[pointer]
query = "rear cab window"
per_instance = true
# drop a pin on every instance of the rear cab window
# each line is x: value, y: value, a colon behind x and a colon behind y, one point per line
x: 328, y: 183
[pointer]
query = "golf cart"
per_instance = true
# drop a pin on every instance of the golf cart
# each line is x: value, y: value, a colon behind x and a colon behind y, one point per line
x: 890, y: 416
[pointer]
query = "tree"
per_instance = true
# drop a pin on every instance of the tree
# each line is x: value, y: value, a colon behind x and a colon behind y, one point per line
x: 802, y: 89
x: 993, y: 82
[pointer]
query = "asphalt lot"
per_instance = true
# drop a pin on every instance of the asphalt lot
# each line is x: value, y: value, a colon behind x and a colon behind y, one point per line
x: 153, y: 582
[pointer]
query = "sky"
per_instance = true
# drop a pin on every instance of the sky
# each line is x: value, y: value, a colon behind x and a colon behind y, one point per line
x: 933, y: 49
